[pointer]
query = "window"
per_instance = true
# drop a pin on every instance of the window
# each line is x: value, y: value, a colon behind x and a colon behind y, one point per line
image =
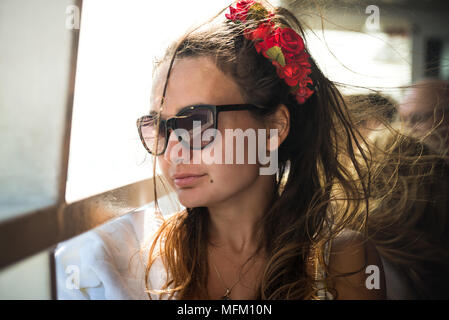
x: 37, y: 55
x: 49, y: 194
x: 364, y: 60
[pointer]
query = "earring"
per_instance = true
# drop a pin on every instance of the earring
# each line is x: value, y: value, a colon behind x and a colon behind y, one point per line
x: 277, y: 176
x: 281, y: 182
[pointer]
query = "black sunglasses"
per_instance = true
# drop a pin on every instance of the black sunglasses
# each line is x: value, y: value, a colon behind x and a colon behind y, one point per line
x: 206, y: 114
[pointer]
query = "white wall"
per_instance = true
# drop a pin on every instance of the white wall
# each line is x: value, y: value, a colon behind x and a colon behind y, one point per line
x: 35, y: 51
x: 27, y: 279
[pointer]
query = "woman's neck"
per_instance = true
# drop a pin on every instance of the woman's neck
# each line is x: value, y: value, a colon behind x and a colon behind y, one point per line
x: 235, y: 223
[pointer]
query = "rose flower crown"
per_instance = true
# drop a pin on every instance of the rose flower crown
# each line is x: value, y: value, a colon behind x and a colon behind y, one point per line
x: 282, y: 45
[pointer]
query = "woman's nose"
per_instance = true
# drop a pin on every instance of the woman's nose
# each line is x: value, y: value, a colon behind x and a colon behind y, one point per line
x: 176, y: 151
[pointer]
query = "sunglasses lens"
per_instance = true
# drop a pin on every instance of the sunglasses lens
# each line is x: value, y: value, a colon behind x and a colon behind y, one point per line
x: 189, y: 118
x: 148, y: 127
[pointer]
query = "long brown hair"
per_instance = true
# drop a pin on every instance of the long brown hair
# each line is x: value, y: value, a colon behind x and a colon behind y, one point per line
x: 409, y: 199
x: 317, y: 155
x: 409, y: 216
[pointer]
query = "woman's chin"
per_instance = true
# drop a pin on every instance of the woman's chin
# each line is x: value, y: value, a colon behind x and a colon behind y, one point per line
x: 190, y: 198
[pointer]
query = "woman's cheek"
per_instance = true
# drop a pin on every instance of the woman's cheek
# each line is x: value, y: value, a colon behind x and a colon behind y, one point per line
x: 164, y: 166
x: 231, y: 178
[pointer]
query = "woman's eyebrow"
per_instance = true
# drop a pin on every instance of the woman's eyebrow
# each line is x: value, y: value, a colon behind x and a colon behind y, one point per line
x: 155, y: 113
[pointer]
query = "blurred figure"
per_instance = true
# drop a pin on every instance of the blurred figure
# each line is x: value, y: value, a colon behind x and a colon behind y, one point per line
x: 423, y: 113
x: 409, y: 216
x: 369, y: 111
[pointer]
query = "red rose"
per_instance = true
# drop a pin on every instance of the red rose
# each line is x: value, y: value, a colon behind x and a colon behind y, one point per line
x: 263, y: 31
x: 231, y: 14
x: 241, y: 11
x: 266, y: 44
x: 304, y: 82
x: 302, y: 58
x: 244, y: 4
x: 291, y: 43
x: 303, y: 94
x: 235, y: 14
x: 287, y: 52
x: 292, y: 74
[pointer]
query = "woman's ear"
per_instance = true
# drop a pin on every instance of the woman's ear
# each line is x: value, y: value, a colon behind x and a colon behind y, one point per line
x: 280, y: 120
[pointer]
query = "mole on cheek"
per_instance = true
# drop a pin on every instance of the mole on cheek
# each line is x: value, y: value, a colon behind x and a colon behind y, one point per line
x: 211, y: 181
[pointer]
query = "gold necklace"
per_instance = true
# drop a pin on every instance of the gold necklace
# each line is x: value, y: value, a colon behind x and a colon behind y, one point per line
x: 228, y: 290
x: 226, y: 296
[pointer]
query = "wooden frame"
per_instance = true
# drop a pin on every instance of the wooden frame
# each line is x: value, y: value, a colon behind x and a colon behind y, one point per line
x: 47, y: 227
x: 43, y: 228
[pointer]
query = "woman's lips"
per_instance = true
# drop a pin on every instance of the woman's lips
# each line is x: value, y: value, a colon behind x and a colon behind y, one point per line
x: 187, y: 180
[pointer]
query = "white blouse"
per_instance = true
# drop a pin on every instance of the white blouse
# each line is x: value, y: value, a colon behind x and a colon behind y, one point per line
x: 108, y: 263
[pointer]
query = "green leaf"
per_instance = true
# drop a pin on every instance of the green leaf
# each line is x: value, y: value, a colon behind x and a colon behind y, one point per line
x: 257, y: 12
x: 275, y: 53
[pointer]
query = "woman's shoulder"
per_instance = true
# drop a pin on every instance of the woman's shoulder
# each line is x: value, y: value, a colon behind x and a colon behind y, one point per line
x: 347, y: 239
x: 100, y: 264
x: 108, y: 262
x: 157, y: 272
x: 350, y: 251
x: 354, y: 257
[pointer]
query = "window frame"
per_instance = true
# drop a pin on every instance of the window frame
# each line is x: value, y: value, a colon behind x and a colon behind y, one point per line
x: 43, y: 228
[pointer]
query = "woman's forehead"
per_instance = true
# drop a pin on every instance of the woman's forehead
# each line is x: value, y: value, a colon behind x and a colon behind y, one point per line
x: 193, y: 81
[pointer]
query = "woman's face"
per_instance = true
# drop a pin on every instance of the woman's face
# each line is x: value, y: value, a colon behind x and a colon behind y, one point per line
x: 198, y: 81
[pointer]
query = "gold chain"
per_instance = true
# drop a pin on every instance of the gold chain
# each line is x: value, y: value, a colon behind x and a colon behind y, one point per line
x: 226, y: 296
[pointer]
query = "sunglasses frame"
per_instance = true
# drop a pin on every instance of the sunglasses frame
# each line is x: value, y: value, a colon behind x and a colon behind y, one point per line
x: 171, y: 123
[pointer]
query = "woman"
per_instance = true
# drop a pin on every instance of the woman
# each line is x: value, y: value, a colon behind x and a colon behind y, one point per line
x: 243, y: 234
